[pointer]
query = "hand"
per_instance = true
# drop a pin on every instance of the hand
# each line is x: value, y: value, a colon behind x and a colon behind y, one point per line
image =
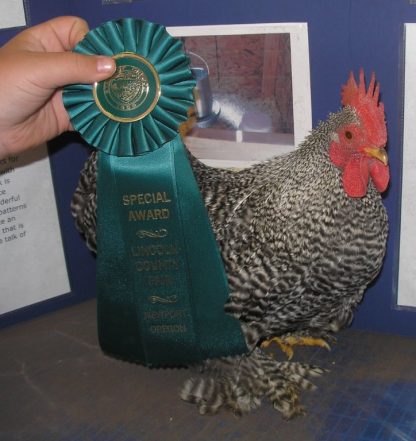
x: 34, y: 66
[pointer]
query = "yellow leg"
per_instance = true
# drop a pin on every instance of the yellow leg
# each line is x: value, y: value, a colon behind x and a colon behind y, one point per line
x: 286, y: 343
x: 286, y: 348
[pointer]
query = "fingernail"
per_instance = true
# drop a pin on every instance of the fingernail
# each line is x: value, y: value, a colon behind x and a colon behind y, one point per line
x: 105, y: 65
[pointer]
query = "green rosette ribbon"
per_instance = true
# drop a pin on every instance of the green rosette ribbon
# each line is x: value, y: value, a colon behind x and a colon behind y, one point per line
x: 161, y: 284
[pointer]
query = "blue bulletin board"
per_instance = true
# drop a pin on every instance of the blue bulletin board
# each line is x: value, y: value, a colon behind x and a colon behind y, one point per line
x: 344, y: 35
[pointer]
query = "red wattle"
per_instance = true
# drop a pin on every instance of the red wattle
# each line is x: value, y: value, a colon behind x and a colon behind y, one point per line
x: 355, y: 177
x: 380, y: 175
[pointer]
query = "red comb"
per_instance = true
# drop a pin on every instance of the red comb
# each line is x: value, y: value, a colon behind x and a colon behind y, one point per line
x: 355, y: 95
x: 367, y: 105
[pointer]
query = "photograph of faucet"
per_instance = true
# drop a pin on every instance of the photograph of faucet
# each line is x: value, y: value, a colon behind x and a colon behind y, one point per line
x: 243, y: 83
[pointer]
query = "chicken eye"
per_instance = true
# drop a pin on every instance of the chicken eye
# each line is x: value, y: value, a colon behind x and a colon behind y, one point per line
x: 348, y: 134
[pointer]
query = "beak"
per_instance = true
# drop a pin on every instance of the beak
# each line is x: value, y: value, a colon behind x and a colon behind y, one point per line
x: 378, y: 153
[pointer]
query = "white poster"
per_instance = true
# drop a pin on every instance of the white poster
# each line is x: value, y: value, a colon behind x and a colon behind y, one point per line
x: 407, y: 265
x: 32, y: 261
x: 12, y: 14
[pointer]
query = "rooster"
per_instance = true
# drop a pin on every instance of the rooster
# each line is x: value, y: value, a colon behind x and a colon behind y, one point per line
x: 301, y: 236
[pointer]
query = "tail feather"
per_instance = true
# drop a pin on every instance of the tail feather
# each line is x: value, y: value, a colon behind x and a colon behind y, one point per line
x: 240, y: 383
x: 84, y: 202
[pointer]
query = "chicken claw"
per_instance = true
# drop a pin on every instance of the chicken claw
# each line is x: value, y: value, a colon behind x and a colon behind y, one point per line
x: 286, y: 343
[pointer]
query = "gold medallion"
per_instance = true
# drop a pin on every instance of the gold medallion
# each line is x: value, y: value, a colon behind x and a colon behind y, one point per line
x: 132, y: 92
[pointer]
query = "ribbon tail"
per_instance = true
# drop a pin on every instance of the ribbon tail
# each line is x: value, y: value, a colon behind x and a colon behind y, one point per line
x: 161, y: 283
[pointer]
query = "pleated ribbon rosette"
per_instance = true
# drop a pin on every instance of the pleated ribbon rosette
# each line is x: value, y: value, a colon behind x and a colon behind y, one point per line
x: 161, y: 284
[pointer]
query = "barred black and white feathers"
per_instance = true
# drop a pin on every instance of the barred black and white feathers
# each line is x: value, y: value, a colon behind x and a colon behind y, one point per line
x: 241, y: 383
x: 298, y: 252
x: 84, y: 202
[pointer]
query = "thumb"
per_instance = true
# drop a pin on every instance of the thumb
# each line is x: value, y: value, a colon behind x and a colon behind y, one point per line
x: 57, y: 69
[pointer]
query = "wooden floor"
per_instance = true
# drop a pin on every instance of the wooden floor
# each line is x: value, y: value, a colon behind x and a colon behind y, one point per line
x: 55, y: 384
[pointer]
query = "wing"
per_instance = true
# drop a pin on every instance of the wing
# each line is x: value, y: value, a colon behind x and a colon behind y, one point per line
x: 266, y: 273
